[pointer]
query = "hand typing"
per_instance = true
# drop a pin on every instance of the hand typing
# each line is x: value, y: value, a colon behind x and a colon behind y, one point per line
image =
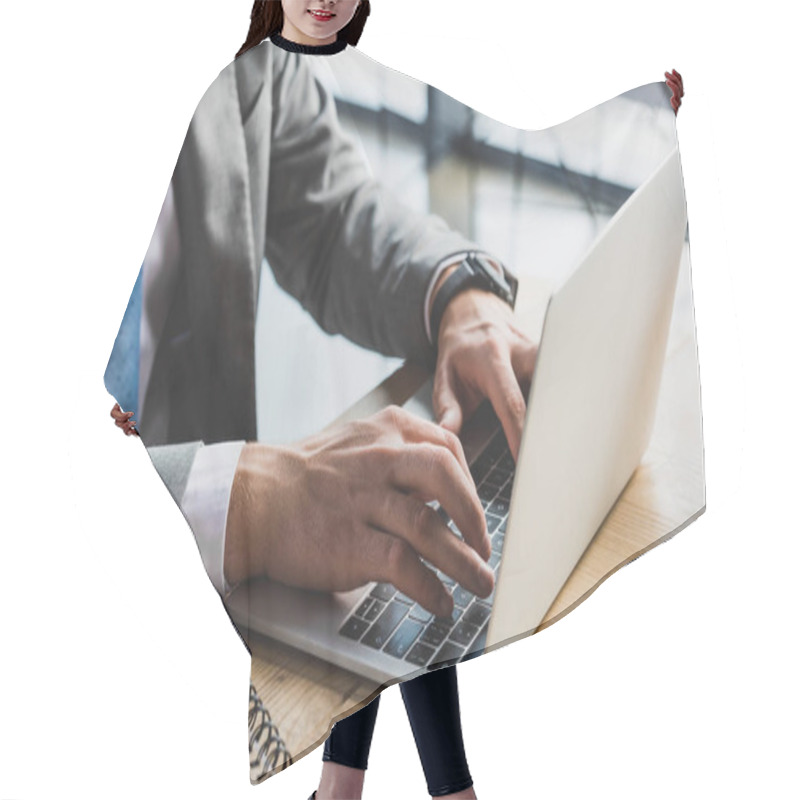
x: 482, y: 353
x: 343, y: 507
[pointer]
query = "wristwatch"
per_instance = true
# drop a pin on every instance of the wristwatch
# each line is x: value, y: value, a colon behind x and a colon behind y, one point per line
x: 474, y: 271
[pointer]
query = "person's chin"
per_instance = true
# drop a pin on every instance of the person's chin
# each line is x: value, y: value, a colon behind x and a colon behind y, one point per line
x: 319, y: 32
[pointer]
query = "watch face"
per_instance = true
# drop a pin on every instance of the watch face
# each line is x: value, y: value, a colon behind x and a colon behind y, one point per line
x: 497, y: 283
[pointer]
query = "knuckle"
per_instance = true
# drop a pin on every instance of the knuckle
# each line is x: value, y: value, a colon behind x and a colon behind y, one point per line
x: 394, y: 415
x: 516, y: 401
x: 495, y: 348
x: 363, y: 429
x: 451, y: 440
x: 477, y: 575
x: 434, y: 455
x: 422, y: 519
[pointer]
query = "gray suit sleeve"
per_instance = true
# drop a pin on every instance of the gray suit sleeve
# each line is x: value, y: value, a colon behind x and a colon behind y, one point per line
x: 356, y: 258
x: 173, y: 462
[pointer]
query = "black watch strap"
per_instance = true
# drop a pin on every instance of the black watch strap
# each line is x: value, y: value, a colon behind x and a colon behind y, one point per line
x: 472, y: 271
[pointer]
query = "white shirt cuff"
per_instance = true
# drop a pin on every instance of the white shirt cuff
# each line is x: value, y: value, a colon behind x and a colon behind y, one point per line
x: 453, y: 258
x: 205, y: 504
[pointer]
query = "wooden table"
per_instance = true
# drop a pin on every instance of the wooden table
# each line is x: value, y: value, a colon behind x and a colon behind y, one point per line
x: 304, y: 695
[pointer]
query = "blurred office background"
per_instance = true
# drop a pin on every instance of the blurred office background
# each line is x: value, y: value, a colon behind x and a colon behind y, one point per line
x: 535, y: 199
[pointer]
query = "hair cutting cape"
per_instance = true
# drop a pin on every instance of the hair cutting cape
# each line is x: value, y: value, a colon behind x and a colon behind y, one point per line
x: 312, y: 202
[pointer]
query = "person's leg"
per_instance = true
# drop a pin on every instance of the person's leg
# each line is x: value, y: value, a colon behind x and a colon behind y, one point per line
x: 345, y: 755
x: 435, y: 716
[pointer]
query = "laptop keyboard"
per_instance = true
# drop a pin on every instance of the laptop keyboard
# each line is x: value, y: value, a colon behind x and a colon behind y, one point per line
x: 386, y: 619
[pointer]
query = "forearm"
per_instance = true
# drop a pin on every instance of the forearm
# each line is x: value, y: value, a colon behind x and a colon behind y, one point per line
x: 369, y: 278
x: 357, y: 258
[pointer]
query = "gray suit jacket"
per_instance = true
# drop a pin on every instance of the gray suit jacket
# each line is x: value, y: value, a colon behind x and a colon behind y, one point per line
x: 266, y: 170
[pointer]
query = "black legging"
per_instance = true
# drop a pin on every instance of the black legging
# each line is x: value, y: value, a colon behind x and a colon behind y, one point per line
x: 433, y: 711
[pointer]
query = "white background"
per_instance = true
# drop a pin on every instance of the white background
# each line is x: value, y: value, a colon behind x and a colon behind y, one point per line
x: 120, y: 674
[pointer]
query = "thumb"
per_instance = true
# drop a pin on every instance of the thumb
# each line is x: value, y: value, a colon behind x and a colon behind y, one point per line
x: 451, y: 419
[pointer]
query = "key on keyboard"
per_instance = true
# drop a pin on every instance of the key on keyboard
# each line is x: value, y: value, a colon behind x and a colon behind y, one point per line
x: 382, y: 628
x: 403, y: 638
x: 420, y: 654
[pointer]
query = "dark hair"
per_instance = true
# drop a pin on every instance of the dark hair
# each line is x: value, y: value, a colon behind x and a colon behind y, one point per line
x: 266, y: 18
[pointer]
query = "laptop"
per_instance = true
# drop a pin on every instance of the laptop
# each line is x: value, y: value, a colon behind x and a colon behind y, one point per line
x: 590, y: 412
